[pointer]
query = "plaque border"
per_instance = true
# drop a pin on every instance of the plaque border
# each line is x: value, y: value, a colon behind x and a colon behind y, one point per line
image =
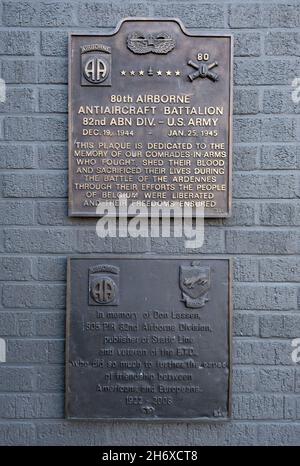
x: 150, y: 257
x: 187, y: 32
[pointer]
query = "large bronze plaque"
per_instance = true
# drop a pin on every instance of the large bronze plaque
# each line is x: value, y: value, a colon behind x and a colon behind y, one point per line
x: 148, y: 338
x: 150, y: 109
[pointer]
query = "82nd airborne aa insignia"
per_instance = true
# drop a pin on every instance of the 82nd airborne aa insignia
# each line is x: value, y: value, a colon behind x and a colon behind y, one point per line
x: 104, y: 285
x: 95, y: 65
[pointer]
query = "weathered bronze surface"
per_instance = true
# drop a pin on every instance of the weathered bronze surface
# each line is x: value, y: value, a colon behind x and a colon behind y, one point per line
x: 148, y: 338
x: 150, y: 118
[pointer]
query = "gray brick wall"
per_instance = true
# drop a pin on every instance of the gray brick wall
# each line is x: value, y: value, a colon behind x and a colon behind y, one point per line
x: 263, y: 234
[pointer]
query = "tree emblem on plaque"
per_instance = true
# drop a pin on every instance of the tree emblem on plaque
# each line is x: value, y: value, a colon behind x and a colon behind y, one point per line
x: 194, y: 282
x: 104, y: 285
x: 95, y: 65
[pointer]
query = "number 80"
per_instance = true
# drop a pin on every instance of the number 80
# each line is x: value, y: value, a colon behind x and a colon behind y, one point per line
x: 203, y: 56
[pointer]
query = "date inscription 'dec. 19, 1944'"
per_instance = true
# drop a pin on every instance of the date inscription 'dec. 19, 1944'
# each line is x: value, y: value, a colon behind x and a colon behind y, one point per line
x: 150, y: 118
x: 148, y: 338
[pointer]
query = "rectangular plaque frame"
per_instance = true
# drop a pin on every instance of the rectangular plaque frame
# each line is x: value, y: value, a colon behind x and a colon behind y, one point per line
x: 223, y: 199
x: 82, y: 401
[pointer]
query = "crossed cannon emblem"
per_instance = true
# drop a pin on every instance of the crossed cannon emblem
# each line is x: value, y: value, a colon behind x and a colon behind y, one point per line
x: 203, y: 70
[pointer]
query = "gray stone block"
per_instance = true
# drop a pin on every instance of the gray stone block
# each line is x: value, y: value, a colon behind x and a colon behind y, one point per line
x: 262, y: 242
x: 53, y: 71
x: 246, y: 129
x: 48, y: 14
x: 15, y: 268
x: 19, y: 71
x: 243, y: 213
x: 16, y: 434
x: 258, y: 407
x: 266, y: 296
x: 268, y: 71
x: 35, y: 185
x: 245, y: 101
x: 34, y: 296
x: 50, y: 378
x: 278, y: 434
x: 245, y: 269
x: 35, y: 406
x: 245, y: 324
x: 284, y: 15
x: 245, y: 157
x: 50, y: 324
x: 276, y: 380
x: 54, y: 157
x: 243, y: 380
x: 27, y: 351
x: 280, y: 157
x: 108, y: 14
x: 16, y: 212
x: 53, y: 100
x: 35, y: 128
x: 279, y: 326
x: 17, y: 379
x: 279, y: 269
x: 279, y: 213
x: 245, y: 16
x: 279, y: 101
x: 279, y: 129
x: 56, y: 351
x: 193, y: 14
x: 50, y: 268
x: 54, y: 43
x: 264, y: 186
x: 39, y: 240
x: 247, y: 44
x: 17, y: 42
x: 19, y: 100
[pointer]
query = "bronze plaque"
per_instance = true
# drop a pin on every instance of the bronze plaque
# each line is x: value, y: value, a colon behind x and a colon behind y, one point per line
x: 148, y: 338
x: 150, y: 109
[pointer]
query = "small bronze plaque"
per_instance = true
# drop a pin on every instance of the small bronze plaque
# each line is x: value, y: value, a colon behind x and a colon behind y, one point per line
x: 150, y: 108
x: 148, y: 338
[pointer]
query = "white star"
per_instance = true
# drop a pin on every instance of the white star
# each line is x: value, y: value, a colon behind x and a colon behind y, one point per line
x: 177, y: 73
x: 168, y: 73
x: 123, y: 72
x: 158, y: 72
x: 141, y: 73
x: 132, y: 73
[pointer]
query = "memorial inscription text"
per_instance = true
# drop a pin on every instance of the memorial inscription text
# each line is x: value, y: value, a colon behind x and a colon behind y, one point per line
x: 148, y: 338
x: 150, y: 118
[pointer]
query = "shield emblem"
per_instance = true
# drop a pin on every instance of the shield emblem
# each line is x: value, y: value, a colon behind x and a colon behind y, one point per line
x: 194, y: 283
